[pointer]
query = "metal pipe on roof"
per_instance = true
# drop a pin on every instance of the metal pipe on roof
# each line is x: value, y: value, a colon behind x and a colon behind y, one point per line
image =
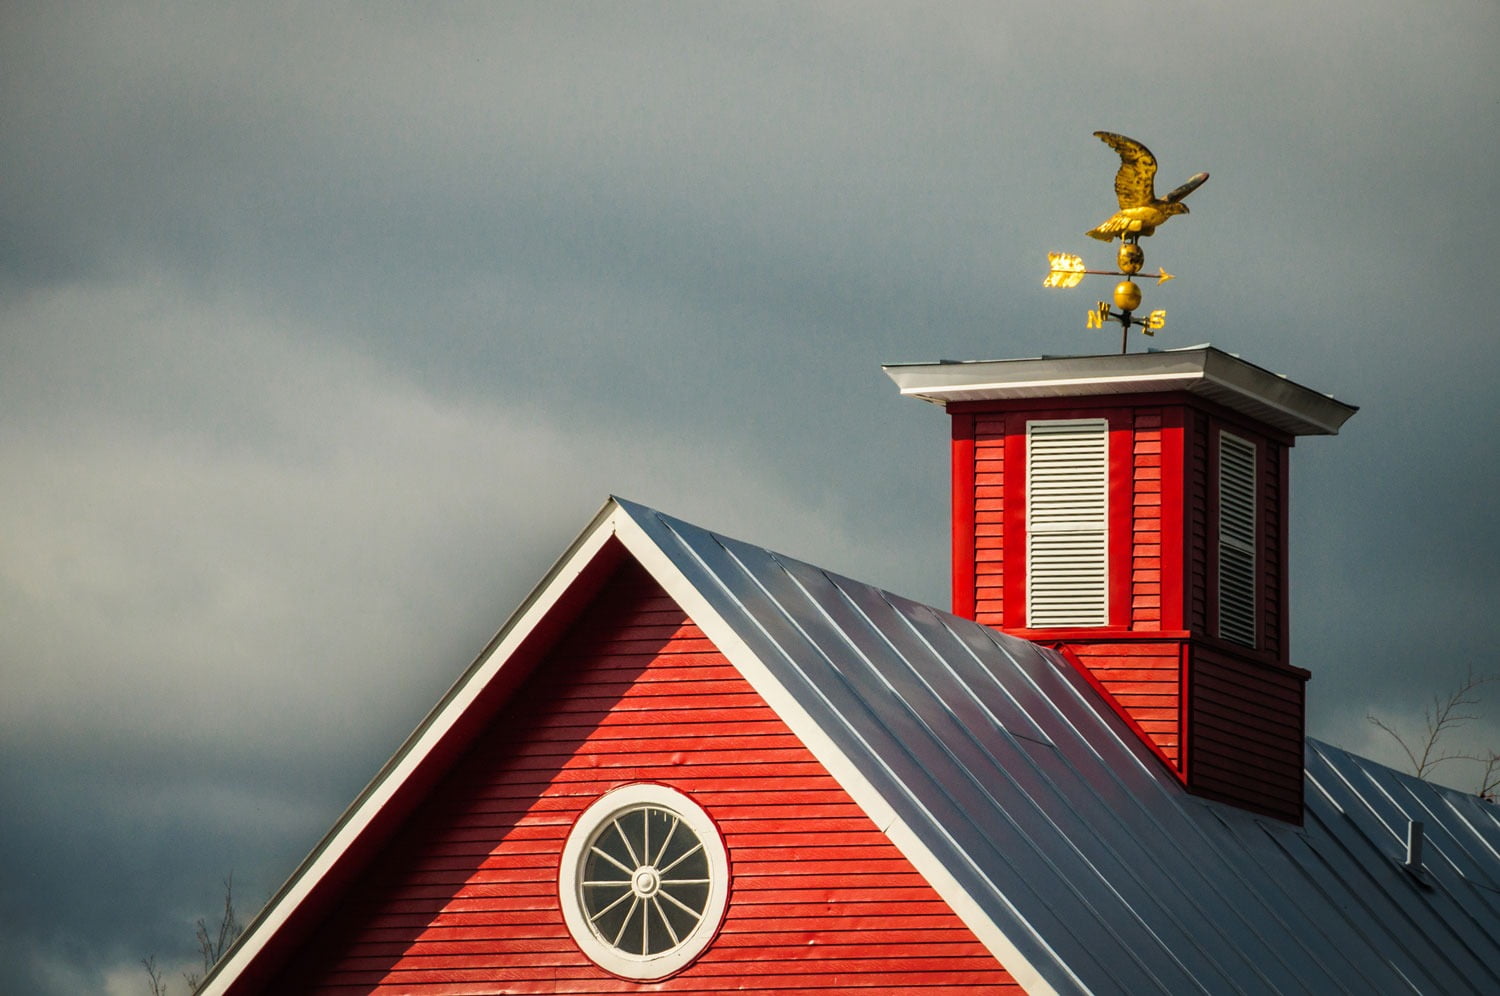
x: 1414, y: 846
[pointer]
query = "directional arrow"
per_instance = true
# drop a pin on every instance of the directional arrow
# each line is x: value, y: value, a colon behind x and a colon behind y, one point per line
x: 1066, y: 270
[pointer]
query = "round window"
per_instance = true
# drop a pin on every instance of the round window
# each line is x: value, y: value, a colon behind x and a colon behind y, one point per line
x: 644, y: 881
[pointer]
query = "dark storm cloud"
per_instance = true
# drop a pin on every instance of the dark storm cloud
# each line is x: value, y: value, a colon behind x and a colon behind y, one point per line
x: 323, y: 330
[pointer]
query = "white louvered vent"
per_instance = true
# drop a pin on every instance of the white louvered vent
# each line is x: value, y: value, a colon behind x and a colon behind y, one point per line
x: 1236, y: 539
x: 1066, y: 514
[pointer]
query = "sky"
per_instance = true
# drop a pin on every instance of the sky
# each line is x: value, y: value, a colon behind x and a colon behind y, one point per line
x: 325, y: 328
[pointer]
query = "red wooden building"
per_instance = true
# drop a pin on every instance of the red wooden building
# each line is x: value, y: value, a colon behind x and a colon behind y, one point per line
x: 690, y: 765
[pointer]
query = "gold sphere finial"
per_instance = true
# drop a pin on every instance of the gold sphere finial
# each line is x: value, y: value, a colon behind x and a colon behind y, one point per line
x: 1131, y: 258
x: 1127, y: 295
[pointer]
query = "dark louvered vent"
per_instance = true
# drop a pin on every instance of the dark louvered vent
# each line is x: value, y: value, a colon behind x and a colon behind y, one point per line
x: 1236, y: 539
x: 1066, y: 505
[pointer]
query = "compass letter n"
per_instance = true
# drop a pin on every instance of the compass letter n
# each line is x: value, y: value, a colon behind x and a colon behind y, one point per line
x: 1097, y: 316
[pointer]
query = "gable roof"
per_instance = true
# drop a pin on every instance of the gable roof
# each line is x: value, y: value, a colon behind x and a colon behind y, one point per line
x: 1005, y: 779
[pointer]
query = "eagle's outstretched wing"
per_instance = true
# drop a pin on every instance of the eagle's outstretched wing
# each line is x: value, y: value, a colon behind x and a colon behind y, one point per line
x: 1134, y: 183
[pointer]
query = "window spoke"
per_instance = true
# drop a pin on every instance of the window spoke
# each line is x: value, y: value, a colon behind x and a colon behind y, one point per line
x: 634, y: 902
x: 646, y: 926
x: 629, y: 849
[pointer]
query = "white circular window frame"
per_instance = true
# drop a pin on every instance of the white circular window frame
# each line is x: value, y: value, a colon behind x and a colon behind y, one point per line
x: 642, y: 968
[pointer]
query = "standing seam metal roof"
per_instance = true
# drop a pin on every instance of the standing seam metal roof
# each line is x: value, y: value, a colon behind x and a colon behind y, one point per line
x: 1063, y: 829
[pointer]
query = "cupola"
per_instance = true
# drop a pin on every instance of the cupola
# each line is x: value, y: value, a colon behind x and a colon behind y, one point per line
x: 1131, y: 511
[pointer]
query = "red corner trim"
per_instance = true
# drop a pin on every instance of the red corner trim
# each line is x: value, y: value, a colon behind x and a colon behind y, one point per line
x: 963, y: 517
x: 1184, y: 713
x: 1121, y: 511
x: 1284, y: 636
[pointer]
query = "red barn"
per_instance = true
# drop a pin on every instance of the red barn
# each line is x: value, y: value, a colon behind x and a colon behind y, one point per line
x: 690, y: 765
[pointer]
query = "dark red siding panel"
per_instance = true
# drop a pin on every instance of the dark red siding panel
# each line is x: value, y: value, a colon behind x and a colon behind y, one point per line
x: 1196, y: 514
x: 464, y: 900
x: 1283, y: 591
x: 1272, y: 547
x: 1246, y: 730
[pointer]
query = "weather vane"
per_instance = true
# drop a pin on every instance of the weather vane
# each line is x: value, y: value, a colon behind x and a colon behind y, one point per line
x: 1141, y: 211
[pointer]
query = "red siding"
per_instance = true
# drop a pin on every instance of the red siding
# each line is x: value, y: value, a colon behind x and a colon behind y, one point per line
x: 989, y: 517
x: 1145, y: 522
x: 465, y: 899
x: 1145, y: 679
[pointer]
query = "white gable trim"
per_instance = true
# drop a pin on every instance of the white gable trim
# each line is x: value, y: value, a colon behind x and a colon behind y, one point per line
x: 614, y: 522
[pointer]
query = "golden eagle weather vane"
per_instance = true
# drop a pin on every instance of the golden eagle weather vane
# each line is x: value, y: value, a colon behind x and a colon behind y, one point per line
x: 1141, y: 212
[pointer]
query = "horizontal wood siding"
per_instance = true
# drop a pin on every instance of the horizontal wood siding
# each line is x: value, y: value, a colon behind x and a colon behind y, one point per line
x: 1146, y: 521
x: 1271, y: 547
x: 1196, y: 516
x: 1246, y: 733
x: 990, y: 500
x: 1146, y: 680
x: 465, y: 898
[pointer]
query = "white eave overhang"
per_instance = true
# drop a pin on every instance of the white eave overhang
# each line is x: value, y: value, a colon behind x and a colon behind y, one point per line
x: 1199, y: 370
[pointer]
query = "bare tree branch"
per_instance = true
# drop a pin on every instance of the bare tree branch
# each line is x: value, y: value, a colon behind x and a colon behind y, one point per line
x: 1441, y: 718
x: 158, y: 986
x: 211, y: 945
x: 1490, y: 780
